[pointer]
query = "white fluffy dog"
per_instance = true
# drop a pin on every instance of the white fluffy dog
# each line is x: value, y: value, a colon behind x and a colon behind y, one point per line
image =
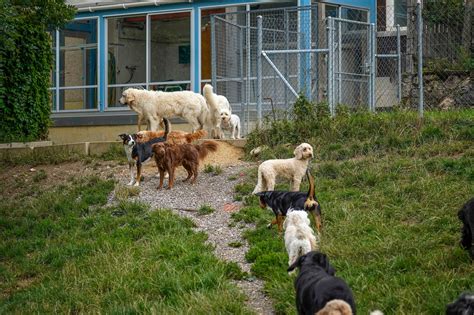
x: 152, y: 106
x: 230, y: 122
x: 218, y: 104
x: 294, y: 169
x: 299, y: 237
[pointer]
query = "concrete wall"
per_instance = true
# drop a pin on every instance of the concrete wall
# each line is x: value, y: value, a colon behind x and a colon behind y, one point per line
x: 60, y: 135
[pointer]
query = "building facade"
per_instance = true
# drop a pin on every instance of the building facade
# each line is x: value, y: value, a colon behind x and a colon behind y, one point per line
x: 158, y: 45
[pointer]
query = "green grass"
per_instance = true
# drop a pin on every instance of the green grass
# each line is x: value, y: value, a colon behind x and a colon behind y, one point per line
x: 205, y: 209
x: 214, y: 169
x: 64, y: 251
x: 390, y: 225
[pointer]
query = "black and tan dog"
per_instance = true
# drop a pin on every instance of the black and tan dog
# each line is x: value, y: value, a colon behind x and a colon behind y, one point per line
x: 138, y: 153
x: 462, y: 306
x: 281, y: 201
x: 466, y: 215
x: 316, y: 284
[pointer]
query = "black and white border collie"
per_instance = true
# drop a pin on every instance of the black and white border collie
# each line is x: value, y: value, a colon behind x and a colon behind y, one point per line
x: 138, y: 153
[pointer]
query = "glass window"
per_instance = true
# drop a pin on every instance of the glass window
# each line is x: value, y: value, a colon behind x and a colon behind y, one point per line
x: 78, y: 65
x: 170, y: 51
x: 126, y: 60
x: 354, y: 14
x: 401, y: 12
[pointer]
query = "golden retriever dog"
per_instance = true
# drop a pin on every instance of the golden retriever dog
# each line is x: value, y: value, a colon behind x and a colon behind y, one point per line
x: 174, y: 137
x: 152, y: 106
x: 292, y: 169
x: 169, y: 156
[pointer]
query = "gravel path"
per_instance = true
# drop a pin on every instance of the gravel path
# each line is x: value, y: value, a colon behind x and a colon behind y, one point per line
x: 217, y: 192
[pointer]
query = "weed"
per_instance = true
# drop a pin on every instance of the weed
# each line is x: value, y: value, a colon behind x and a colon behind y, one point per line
x: 39, y: 176
x: 235, y: 244
x: 205, y: 209
x: 232, y: 177
x: 122, y: 192
x: 215, y: 169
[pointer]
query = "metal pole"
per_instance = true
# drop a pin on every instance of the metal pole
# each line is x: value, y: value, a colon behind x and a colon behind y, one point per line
x: 259, y: 69
x: 241, y: 60
x: 287, y: 47
x: 213, y: 53
x: 420, y: 59
x: 330, y: 65
x: 339, y: 57
x: 373, y: 65
x: 249, y: 69
x: 399, y: 60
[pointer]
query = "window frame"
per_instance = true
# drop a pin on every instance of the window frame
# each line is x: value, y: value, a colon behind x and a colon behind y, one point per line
x: 56, y: 73
x: 147, y: 83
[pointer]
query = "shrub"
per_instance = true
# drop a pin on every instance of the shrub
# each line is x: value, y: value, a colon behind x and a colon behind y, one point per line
x: 26, y: 61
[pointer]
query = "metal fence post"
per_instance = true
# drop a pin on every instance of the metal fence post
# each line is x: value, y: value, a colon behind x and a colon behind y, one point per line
x: 213, y: 53
x: 420, y: 58
x: 259, y: 69
x: 399, y: 64
x: 330, y: 74
x: 249, y: 69
x: 287, y: 46
x: 241, y: 70
x: 373, y: 65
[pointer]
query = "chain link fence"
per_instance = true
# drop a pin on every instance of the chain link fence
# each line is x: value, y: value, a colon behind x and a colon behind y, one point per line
x: 339, y: 57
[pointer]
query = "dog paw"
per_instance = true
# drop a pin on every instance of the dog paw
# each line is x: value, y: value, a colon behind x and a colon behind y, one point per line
x: 136, y: 184
x: 131, y: 183
x: 269, y: 226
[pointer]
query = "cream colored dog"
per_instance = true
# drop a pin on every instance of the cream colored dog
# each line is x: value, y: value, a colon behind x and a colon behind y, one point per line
x: 218, y: 105
x: 293, y: 169
x: 299, y: 237
x: 152, y: 106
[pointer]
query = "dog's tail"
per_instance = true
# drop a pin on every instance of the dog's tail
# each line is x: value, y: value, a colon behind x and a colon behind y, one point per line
x: 260, y: 179
x: 336, y: 307
x: 310, y: 202
x: 210, y: 97
x: 190, y: 137
x: 167, y: 128
x: 206, y: 147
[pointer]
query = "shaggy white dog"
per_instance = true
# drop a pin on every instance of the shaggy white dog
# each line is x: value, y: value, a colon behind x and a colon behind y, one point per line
x: 230, y: 122
x: 218, y: 104
x: 152, y: 106
x: 293, y: 169
x: 299, y: 237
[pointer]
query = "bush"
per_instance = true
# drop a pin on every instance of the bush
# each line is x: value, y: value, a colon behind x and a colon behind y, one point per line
x: 26, y: 61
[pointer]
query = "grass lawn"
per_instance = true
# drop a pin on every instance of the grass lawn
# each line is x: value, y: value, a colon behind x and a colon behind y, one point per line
x: 64, y: 251
x: 389, y: 203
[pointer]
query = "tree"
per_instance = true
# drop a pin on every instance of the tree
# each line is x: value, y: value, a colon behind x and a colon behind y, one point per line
x: 25, y: 65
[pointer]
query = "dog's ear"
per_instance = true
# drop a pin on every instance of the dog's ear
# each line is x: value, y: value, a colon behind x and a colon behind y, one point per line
x: 123, y: 136
x: 323, y: 261
x: 298, y: 152
x: 297, y: 263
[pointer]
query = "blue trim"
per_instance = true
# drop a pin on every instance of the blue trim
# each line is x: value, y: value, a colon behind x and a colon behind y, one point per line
x: 305, y: 43
x: 102, y: 64
x: 195, y: 51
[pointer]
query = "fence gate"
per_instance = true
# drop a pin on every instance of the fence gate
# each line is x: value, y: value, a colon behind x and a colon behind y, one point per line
x: 351, y: 63
x: 228, y: 76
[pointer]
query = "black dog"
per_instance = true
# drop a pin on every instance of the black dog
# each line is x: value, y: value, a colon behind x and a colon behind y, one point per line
x: 282, y: 201
x: 464, y: 305
x: 138, y: 153
x: 316, y: 284
x: 466, y: 215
